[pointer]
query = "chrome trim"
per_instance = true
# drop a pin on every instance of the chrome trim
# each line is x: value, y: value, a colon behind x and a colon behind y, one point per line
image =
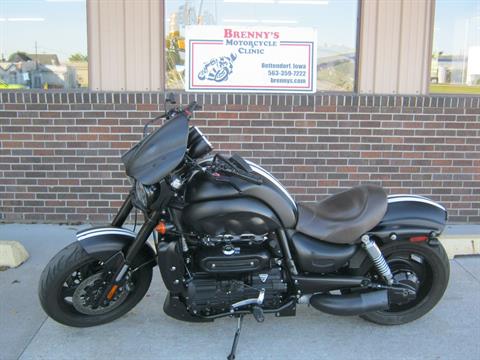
x: 88, y: 231
x: 104, y: 231
x: 261, y: 171
x: 401, y: 198
x: 204, y: 137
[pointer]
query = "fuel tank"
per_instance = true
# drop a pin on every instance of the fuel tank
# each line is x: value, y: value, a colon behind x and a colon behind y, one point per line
x: 238, y: 206
x: 234, y: 216
x: 410, y: 215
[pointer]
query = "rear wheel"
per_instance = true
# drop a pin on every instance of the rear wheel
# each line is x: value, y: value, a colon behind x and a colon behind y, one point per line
x: 72, y: 279
x: 421, y: 266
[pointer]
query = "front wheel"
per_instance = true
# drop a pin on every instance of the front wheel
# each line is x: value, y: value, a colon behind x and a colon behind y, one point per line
x: 421, y: 265
x: 73, y: 278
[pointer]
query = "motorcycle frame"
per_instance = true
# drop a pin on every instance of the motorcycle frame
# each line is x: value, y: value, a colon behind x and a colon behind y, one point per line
x: 298, y: 283
x: 154, y: 217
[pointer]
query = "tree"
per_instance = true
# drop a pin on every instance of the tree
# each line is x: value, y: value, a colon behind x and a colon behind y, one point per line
x: 78, y: 57
x: 21, y: 54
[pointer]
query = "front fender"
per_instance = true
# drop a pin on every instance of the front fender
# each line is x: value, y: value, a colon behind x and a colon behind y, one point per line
x: 108, y: 239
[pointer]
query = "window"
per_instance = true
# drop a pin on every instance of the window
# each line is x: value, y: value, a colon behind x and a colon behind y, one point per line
x: 334, y: 20
x: 456, y: 47
x: 43, y: 44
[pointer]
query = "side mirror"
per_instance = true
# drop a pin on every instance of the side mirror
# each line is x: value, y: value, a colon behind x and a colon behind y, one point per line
x: 171, y: 98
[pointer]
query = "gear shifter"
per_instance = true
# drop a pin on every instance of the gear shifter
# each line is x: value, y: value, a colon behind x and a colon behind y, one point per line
x: 256, y: 301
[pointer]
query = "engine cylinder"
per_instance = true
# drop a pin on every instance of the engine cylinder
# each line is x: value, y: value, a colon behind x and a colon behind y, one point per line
x: 209, y: 296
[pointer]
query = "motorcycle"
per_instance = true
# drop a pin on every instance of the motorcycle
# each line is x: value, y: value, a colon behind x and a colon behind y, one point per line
x: 229, y: 240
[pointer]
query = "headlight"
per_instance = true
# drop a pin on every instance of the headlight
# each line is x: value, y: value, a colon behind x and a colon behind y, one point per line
x: 198, y: 144
x: 144, y: 193
x: 141, y: 194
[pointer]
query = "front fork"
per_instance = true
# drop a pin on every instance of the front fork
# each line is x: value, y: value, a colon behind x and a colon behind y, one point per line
x: 124, y: 211
x: 118, y: 266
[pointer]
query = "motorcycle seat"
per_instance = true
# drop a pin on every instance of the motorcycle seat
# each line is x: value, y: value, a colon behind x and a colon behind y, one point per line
x: 344, y: 217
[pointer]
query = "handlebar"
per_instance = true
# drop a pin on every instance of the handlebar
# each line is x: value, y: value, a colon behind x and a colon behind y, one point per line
x: 188, y: 110
x: 232, y: 169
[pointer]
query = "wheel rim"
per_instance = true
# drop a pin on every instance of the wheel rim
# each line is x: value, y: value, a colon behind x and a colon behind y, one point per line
x: 76, y: 292
x: 91, y: 288
x: 416, y: 266
x: 75, y: 278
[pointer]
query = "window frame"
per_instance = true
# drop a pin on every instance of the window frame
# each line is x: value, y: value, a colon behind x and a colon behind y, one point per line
x: 320, y: 92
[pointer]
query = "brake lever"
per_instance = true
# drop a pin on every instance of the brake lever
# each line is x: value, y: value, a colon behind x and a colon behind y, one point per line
x: 237, y: 172
x: 248, y: 178
x: 222, y: 179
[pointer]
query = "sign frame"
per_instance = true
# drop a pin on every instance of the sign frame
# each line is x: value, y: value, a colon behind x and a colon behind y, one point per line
x: 295, y: 73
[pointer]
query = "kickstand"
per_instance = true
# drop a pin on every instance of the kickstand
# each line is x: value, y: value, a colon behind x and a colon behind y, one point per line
x: 231, y: 356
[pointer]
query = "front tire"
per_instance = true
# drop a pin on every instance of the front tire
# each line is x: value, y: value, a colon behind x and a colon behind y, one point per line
x: 433, y: 283
x: 66, y: 271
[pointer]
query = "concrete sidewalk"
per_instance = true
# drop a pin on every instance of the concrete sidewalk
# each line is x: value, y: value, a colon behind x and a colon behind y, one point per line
x: 450, y: 331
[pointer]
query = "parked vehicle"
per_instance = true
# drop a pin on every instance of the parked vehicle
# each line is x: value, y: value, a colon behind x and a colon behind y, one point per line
x: 6, y: 86
x: 231, y: 241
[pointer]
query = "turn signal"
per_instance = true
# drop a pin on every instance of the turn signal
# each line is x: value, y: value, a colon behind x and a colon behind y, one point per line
x: 417, y: 239
x: 112, y: 292
x: 161, y: 228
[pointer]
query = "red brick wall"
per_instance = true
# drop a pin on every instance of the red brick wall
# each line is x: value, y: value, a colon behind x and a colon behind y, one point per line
x: 60, y: 152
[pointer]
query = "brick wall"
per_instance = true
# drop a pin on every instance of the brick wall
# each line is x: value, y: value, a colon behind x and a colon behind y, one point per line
x: 60, y: 152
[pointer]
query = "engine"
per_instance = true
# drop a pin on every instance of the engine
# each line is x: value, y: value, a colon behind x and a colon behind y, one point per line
x: 223, y: 271
x: 228, y: 269
x: 207, y: 295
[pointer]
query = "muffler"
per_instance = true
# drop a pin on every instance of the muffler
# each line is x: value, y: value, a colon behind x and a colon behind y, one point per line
x: 350, y: 304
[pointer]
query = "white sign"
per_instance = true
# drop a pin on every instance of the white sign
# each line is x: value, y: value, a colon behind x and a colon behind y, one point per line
x: 250, y: 59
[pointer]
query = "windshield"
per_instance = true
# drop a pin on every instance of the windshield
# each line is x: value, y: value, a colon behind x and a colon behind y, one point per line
x: 159, y: 153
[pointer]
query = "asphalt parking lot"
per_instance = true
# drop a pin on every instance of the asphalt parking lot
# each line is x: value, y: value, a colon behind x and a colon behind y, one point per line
x: 450, y: 331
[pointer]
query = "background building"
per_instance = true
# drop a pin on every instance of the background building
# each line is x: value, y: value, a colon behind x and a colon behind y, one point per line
x: 397, y: 100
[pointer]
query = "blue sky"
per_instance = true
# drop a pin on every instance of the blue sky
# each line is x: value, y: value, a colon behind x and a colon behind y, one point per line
x: 58, y: 26
x: 457, y: 25
x: 335, y: 20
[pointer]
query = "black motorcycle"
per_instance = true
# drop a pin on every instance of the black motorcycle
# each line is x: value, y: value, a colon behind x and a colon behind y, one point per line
x: 229, y: 241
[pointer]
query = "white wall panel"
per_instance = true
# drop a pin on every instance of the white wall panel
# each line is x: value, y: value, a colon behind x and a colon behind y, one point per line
x: 395, y: 46
x: 125, y: 44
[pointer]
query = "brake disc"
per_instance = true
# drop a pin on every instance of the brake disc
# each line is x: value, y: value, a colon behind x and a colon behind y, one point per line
x: 89, y: 289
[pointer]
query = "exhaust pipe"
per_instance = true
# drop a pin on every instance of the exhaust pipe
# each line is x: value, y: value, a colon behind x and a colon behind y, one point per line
x: 351, y: 304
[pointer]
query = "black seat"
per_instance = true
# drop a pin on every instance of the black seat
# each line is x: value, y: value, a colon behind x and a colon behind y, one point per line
x: 342, y: 218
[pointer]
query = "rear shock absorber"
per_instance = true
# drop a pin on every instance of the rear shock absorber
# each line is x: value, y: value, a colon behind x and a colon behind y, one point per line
x: 377, y: 257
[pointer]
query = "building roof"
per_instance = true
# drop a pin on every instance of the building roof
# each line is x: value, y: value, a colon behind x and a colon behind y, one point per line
x: 45, y: 59
x: 8, y: 66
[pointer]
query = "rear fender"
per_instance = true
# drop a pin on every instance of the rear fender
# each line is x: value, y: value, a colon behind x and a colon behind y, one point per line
x: 109, y: 239
x: 410, y: 216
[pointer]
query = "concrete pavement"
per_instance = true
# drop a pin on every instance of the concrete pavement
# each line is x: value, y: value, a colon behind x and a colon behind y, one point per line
x: 450, y: 331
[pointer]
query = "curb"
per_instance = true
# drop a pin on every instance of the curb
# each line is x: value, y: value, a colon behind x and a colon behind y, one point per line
x: 460, y: 244
x: 12, y: 254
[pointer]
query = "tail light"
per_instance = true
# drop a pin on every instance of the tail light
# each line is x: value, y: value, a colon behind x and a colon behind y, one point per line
x: 418, y: 239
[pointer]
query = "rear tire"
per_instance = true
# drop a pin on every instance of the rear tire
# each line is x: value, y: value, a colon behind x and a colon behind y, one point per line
x: 67, y: 262
x: 439, y: 266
